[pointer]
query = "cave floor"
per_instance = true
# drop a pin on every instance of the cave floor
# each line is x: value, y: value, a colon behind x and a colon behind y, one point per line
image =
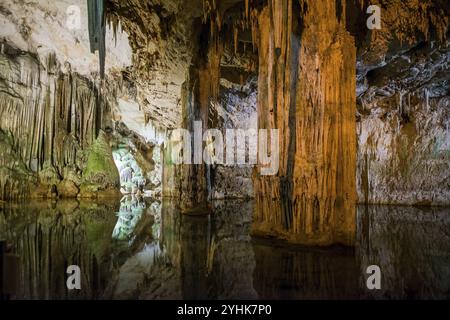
x: 144, y: 249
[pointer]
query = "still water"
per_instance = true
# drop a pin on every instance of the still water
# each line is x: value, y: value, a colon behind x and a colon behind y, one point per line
x: 144, y: 249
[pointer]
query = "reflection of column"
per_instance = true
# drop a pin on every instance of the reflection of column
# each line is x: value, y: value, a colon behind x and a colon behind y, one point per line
x: 286, y: 273
x: 412, y: 248
x: 170, y: 230
x: 231, y: 258
x: 194, y: 244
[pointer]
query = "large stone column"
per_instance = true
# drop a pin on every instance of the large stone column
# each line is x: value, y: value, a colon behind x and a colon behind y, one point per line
x: 191, y: 183
x: 307, y: 90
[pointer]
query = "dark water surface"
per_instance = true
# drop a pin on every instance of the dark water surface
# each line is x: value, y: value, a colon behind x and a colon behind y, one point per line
x: 134, y: 249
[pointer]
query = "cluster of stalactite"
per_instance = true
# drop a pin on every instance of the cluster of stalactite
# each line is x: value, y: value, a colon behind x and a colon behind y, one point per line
x: 193, y: 183
x: 49, y: 118
x: 305, y: 57
x: 306, y: 90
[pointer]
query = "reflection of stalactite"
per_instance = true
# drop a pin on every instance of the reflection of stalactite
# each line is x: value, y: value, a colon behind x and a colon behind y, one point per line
x: 131, y: 211
x: 48, y: 238
x: 411, y: 245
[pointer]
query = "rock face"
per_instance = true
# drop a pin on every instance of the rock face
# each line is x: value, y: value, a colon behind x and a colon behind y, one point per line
x: 403, y: 135
x: 402, y: 110
x: 52, y: 103
x: 68, y: 189
x: 15, y: 177
x: 44, y: 27
x: 162, y: 33
x: 236, y: 108
x: 49, y: 116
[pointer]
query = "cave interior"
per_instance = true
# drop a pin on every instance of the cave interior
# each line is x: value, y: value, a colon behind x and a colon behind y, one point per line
x: 214, y: 149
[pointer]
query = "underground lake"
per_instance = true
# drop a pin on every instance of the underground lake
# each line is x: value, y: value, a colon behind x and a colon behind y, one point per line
x: 133, y: 248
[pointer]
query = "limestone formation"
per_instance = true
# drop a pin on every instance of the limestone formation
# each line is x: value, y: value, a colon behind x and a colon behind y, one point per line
x: 100, y: 177
x: 307, y: 90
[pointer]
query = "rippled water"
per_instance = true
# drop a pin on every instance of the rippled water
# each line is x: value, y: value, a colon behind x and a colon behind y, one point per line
x: 134, y: 249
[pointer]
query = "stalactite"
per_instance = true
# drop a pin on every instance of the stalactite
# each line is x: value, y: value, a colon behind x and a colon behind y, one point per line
x: 48, y: 117
x: 214, y: 60
x: 235, y: 38
x: 97, y: 30
x: 114, y: 24
x: 427, y: 99
x: 278, y: 11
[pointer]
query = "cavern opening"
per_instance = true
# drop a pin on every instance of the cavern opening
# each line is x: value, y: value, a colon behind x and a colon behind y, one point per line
x: 318, y: 145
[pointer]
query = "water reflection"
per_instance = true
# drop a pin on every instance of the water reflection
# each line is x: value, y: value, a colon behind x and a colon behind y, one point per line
x: 136, y: 248
x: 412, y: 248
x: 130, y: 213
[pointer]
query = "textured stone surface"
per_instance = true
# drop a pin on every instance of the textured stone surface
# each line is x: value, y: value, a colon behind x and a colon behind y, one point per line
x: 403, y: 135
x: 50, y: 116
x: 101, y: 176
x: 40, y: 27
x: 162, y: 33
x: 67, y: 189
x: 307, y: 90
x: 236, y: 108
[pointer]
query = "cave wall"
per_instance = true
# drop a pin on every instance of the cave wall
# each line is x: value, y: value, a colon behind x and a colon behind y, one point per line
x: 362, y: 114
x: 403, y: 135
x: 405, y: 161
x: 49, y: 119
x: 306, y: 89
x: 220, y: 92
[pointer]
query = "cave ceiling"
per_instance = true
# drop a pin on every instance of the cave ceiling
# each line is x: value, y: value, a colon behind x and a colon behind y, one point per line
x: 410, y: 51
